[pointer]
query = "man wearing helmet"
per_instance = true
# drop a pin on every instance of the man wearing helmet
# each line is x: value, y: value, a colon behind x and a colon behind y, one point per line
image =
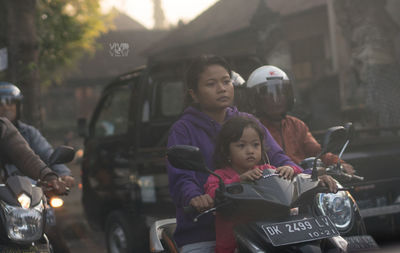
x: 11, y: 108
x: 14, y: 148
x: 273, y: 97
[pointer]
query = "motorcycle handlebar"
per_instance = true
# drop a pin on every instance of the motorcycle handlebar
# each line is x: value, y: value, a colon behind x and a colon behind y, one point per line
x: 49, y: 191
x: 358, y: 178
x: 351, y: 177
x: 343, y: 175
x: 190, y: 210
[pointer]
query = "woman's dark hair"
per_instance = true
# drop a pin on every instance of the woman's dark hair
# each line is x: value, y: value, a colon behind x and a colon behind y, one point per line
x: 197, y: 67
x: 231, y: 131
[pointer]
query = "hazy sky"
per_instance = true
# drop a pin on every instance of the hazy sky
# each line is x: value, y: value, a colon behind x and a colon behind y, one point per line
x: 142, y: 10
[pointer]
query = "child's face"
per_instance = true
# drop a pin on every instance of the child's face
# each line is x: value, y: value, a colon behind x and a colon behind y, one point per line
x: 246, y: 152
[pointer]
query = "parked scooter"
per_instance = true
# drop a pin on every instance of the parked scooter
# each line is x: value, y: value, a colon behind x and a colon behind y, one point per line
x: 23, y: 212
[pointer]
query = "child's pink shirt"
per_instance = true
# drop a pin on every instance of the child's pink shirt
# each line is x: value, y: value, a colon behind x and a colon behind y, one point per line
x: 225, y: 238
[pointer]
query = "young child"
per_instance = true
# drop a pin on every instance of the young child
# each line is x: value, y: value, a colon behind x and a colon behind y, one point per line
x: 239, y: 156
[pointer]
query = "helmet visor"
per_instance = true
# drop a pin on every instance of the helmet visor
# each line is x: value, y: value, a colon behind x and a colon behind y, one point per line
x: 7, y: 100
x: 275, y: 89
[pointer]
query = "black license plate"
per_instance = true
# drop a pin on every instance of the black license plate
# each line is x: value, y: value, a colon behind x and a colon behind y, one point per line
x: 297, y: 231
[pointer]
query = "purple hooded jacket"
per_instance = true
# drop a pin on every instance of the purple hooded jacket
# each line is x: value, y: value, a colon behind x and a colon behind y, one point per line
x: 198, y: 129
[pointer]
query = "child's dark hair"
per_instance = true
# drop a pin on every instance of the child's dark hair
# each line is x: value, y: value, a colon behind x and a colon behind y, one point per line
x: 231, y: 131
x: 197, y: 67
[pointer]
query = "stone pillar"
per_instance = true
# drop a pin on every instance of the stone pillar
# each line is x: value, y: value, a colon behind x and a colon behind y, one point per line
x: 370, y: 33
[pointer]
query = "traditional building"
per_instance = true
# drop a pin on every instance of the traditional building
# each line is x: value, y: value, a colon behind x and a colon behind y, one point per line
x: 302, y: 37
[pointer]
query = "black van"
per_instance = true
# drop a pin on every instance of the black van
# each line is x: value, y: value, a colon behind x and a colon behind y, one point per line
x: 125, y: 184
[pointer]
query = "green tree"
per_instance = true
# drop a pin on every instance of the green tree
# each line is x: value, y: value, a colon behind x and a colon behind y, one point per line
x: 44, y: 39
x: 66, y: 31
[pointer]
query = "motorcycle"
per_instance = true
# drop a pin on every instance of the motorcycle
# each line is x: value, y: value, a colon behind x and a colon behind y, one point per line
x: 285, y: 216
x: 341, y: 207
x: 23, y: 210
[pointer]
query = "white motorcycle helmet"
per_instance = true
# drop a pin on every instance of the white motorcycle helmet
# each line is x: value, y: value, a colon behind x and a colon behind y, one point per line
x: 272, y: 90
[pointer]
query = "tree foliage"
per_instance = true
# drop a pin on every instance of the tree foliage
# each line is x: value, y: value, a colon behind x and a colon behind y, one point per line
x: 66, y: 30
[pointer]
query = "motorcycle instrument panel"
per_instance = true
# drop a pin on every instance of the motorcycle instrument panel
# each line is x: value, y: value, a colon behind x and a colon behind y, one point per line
x: 308, y: 229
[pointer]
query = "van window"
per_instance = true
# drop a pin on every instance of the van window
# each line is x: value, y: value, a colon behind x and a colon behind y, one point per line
x: 114, y: 114
x: 171, y: 97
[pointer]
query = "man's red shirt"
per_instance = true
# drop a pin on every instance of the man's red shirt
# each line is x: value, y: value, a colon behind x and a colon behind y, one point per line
x: 296, y: 140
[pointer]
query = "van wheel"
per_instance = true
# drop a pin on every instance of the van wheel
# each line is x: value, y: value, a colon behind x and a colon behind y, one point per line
x: 123, y: 235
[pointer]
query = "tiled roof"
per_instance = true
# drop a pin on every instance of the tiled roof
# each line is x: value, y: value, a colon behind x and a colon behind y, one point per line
x: 226, y: 16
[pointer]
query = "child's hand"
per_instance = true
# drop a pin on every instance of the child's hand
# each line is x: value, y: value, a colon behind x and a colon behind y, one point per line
x: 286, y: 172
x: 251, y: 175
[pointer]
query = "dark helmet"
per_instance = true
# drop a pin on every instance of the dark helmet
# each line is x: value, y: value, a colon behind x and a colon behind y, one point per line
x: 9, y: 93
x: 273, y: 91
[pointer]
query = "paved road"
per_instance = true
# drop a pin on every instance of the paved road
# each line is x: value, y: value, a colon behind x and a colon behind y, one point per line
x: 80, y: 237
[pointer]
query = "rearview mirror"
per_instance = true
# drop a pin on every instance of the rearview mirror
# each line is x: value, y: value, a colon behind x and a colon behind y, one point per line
x: 62, y: 154
x: 334, y: 139
x: 186, y: 157
x: 350, y: 130
x: 190, y: 158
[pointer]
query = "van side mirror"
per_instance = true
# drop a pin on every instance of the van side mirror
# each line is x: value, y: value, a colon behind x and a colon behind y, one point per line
x: 82, y: 128
x: 62, y: 154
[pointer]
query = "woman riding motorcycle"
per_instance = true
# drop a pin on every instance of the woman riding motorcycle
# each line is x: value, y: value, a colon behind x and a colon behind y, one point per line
x: 209, y: 96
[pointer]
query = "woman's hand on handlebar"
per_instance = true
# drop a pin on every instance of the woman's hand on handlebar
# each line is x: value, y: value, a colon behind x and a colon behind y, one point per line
x: 328, y: 182
x: 202, y: 202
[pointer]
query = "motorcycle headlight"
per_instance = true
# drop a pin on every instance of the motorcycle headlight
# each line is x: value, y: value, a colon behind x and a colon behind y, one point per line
x: 338, y: 207
x: 23, y: 225
x: 24, y: 200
